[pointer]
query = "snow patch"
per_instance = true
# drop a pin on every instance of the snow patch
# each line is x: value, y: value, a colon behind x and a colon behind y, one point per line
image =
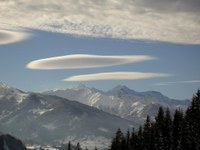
x: 137, y: 108
x: 34, y: 135
x: 89, y: 141
x: 4, y: 86
x: 94, y: 99
x: 40, y: 111
x: 103, y: 129
x: 50, y: 126
x: 135, y: 104
x: 5, y: 114
x: 21, y: 97
x: 43, y: 102
x: 121, y: 105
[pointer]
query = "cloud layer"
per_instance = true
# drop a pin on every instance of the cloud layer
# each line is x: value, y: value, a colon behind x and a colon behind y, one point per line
x: 178, y: 82
x: 115, y: 76
x: 8, y: 36
x: 84, y: 61
x: 161, y: 20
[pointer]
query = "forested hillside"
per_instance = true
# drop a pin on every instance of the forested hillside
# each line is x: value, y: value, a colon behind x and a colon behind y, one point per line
x: 180, y: 131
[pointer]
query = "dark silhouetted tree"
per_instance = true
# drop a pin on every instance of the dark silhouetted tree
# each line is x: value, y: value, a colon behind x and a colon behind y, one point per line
x: 78, y: 146
x: 180, y: 133
x: 133, y: 139
x: 128, y: 140
x: 159, y: 129
x: 177, y: 129
x: 69, y: 146
x: 119, y: 141
x: 147, y: 134
x: 167, y: 130
x: 192, y: 120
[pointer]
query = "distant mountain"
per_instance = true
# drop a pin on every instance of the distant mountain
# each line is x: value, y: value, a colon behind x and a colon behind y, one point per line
x: 122, y: 101
x: 8, y: 142
x: 47, y: 119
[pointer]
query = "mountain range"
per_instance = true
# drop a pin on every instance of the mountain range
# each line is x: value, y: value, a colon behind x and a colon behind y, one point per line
x: 46, y: 119
x: 81, y: 114
x: 122, y: 101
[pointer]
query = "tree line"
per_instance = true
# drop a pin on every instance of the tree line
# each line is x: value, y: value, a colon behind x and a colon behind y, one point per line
x: 180, y: 131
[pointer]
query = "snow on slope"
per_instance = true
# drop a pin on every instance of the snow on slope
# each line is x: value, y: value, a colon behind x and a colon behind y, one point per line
x: 9, y: 92
x: 53, y: 120
x: 122, y: 101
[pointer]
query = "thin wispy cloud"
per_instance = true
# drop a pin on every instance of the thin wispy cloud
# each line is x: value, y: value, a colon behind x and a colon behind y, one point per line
x: 177, y: 82
x: 8, y: 36
x: 85, y: 61
x: 164, y: 20
x: 115, y: 76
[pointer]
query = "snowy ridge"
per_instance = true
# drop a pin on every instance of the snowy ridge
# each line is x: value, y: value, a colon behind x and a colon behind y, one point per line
x: 4, y: 86
x: 122, y: 101
x: 9, y: 92
x: 53, y: 120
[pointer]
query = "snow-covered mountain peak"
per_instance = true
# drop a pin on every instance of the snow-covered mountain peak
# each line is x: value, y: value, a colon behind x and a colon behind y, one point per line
x: 80, y: 86
x: 9, y: 92
x: 4, y: 86
x: 5, y: 89
x: 120, y: 87
x: 52, y: 119
x: 122, y: 101
x: 120, y: 91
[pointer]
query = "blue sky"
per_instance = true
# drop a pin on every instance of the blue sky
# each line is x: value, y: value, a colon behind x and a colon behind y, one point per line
x: 165, y: 53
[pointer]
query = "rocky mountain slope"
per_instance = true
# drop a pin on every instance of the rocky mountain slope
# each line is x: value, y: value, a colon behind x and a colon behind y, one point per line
x: 122, y: 101
x: 53, y: 120
x: 8, y: 142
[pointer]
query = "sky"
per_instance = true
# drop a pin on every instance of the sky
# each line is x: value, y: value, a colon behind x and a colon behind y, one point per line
x: 143, y: 44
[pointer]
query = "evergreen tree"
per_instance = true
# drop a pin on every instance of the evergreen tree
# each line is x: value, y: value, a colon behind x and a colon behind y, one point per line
x: 181, y: 133
x: 152, y: 138
x: 119, y: 141
x: 78, y: 147
x: 124, y: 145
x: 192, y: 120
x: 133, y: 140
x: 177, y: 129
x: 140, y: 139
x: 147, y: 134
x: 113, y: 144
x: 167, y: 130
x: 69, y: 146
x: 182, y: 145
x: 159, y: 129
x: 128, y: 138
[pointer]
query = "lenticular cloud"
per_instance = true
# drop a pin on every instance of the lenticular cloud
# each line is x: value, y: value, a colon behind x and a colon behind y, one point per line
x: 178, y: 82
x: 115, y: 76
x: 79, y: 61
x: 9, y: 36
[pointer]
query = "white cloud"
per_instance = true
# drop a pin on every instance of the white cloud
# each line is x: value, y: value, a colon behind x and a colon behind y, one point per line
x: 115, y: 76
x: 9, y: 36
x: 178, y: 82
x: 84, y: 61
x: 161, y: 20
